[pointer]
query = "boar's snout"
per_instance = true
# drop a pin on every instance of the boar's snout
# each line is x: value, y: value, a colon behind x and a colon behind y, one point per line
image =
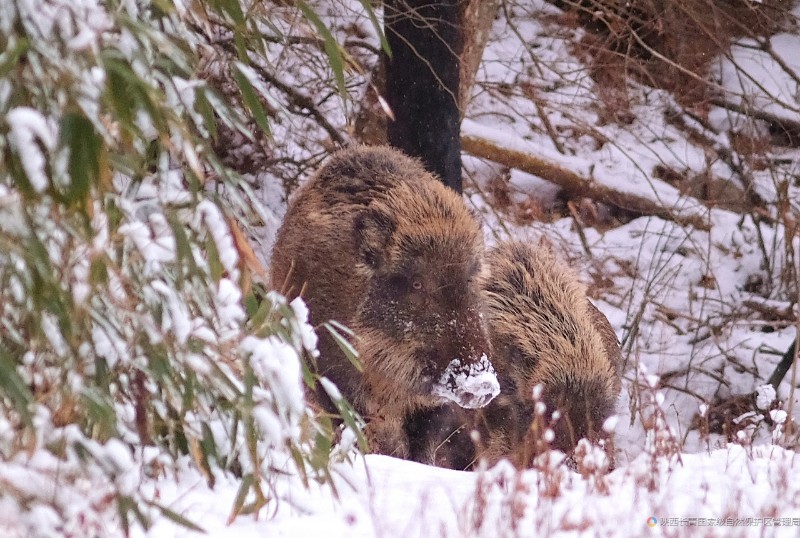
x: 470, y: 385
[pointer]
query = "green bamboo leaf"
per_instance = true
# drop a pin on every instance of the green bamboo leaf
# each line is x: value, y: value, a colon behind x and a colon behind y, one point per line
x: 100, y: 412
x: 14, y: 387
x: 338, y: 331
x: 241, y: 495
x: 241, y: 44
x: 165, y: 6
x: 175, y: 56
x: 125, y: 506
x: 203, y: 107
x: 251, y: 100
x: 119, y: 94
x: 377, y: 26
x: 258, y: 314
x: 11, y: 56
x: 227, y: 114
x: 78, y: 134
x: 256, y: 33
x: 47, y: 293
x: 234, y: 9
x: 332, y: 48
x: 189, y: 390
x: 122, y: 510
x: 177, y: 518
x: 309, y: 378
x: 159, y: 366
x: 183, y: 250
x: 98, y: 272
x: 322, y: 450
x: 348, y: 415
x: 215, y: 267
x: 207, y: 443
x: 353, y: 421
x: 129, y: 93
x: 300, y: 461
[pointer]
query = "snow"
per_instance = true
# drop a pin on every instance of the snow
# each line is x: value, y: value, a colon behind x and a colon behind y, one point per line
x: 765, y: 395
x: 727, y: 492
x: 108, y: 345
x: 473, y: 385
x: 608, y: 173
x: 610, y: 424
x: 302, y: 327
x: 278, y: 365
x: 765, y: 80
x: 29, y: 128
x: 215, y: 224
x: 155, y: 242
x: 229, y: 299
x: 330, y: 389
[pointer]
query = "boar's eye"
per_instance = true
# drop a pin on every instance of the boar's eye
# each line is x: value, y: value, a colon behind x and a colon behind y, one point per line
x: 416, y: 284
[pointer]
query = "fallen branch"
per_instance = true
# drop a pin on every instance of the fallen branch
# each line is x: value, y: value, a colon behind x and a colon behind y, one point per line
x: 573, y: 184
x: 787, y: 126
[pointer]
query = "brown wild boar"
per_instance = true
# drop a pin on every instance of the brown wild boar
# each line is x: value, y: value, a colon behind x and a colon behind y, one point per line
x: 378, y: 244
x: 544, y: 331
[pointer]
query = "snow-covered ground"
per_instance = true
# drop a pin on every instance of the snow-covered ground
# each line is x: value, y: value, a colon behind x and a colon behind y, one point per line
x: 677, y: 297
x: 728, y: 492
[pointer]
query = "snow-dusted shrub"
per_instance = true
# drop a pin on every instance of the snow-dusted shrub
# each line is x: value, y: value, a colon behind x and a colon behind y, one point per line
x: 128, y: 342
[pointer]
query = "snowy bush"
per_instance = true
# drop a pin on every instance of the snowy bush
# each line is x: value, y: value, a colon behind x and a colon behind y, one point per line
x: 131, y: 338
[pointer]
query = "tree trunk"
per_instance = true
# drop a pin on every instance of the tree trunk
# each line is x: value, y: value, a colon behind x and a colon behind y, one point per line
x: 422, y: 83
x: 477, y: 17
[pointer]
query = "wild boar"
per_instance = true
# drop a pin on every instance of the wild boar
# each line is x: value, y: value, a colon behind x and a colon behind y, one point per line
x: 378, y: 244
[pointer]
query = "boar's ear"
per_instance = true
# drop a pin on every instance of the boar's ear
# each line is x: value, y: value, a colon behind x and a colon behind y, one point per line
x: 373, y: 230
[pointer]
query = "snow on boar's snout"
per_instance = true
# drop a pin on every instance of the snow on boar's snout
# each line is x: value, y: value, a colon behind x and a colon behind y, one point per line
x: 465, y: 374
x: 469, y: 385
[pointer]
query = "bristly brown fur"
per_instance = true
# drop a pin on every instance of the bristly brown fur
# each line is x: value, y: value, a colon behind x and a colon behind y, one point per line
x: 380, y: 245
x: 538, y: 310
x: 544, y: 331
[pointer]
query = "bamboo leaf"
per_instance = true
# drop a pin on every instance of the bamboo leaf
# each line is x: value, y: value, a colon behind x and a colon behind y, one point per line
x: 338, y: 331
x: 214, y: 264
x: 332, y: 48
x: 377, y: 26
x: 348, y: 415
x: 183, y: 250
x: 203, y: 107
x: 208, y: 444
x: 125, y: 506
x: 14, y: 387
x: 100, y: 412
x: 78, y: 134
x: 251, y: 101
x: 241, y: 495
x: 11, y: 56
x: 129, y: 93
x: 228, y: 114
x: 179, y: 519
x: 234, y: 9
x: 98, y: 272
